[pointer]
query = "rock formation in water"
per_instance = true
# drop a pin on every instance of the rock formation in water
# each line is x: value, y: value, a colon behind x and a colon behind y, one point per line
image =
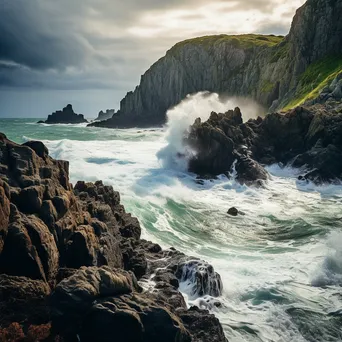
x: 65, y: 116
x: 275, y: 71
x: 309, y: 138
x: 105, y: 115
x: 72, y: 263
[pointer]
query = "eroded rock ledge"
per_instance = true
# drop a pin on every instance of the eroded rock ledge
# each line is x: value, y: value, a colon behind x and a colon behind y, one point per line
x: 308, y: 138
x: 72, y: 262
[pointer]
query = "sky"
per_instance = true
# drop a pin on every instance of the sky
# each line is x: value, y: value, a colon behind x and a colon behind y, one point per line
x: 92, y: 52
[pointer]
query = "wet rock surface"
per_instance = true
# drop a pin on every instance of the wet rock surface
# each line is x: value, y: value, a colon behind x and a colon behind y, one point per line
x: 65, y: 116
x: 71, y: 259
x: 308, y: 138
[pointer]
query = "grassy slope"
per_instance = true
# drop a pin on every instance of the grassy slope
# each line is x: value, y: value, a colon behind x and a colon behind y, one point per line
x: 316, y: 77
x: 244, y: 40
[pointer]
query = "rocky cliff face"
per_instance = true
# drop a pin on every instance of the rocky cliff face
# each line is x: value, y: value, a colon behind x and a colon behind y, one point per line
x: 71, y: 258
x: 268, y: 69
x: 65, y: 116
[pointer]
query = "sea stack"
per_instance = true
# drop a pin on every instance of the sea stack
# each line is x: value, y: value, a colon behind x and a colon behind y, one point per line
x: 65, y: 116
x: 108, y: 114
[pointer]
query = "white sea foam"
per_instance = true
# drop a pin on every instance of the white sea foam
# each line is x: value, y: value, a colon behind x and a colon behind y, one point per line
x: 83, y: 124
x: 330, y: 271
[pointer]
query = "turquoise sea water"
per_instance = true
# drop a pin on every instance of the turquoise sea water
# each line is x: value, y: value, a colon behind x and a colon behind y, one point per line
x: 281, y: 263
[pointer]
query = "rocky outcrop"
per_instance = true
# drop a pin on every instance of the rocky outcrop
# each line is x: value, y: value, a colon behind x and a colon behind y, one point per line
x: 269, y: 69
x: 105, y: 115
x: 219, y: 145
x: 308, y: 138
x: 65, y: 116
x: 97, y: 302
x: 71, y: 259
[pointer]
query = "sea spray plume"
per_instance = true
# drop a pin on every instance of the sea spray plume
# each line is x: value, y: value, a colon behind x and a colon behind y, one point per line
x: 249, y: 108
x: 330, y: 272
x: 175, y: 155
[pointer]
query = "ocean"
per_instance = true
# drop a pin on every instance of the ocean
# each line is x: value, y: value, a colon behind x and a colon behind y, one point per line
x: 280, y: 262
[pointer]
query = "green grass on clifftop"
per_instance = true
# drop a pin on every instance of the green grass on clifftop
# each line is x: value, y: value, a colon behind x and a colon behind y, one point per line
x: 243, y: 41
x: 317, y: 76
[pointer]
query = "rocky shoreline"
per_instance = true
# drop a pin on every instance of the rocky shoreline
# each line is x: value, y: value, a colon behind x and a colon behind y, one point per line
x: 307, y: 138
x: 73, y: 266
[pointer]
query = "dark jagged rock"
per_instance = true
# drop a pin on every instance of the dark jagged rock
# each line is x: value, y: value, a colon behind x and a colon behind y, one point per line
x: 201, y: 276
x: 105, y: 115
x: 132, y: 318
x: 97, y: 303
x: 266, y: 68
x: 202, y: 328
x: 305, y: 137
x: 65, y: 116
x: 21, y: 298
x: 75, y: 295
x: 220, y: 144
x: 69, y: 259
x: 233, y: 211
x: 249, y: 171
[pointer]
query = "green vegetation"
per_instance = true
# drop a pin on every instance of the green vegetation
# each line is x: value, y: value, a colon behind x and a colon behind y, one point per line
x: 281, y: 51
x: 317, y: 76
x: 243, y: 41
x: 267, y: 87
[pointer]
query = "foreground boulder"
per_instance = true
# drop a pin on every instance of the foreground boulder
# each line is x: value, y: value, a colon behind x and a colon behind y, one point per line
x: 22, y: 297
x: 305, y: 137
x: 65, y: 116
x: 70, y: 259
x: 98, y: 304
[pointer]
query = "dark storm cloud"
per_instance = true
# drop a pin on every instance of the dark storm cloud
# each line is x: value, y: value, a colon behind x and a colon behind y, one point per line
x: 32, y: 37
x: 87, y: 44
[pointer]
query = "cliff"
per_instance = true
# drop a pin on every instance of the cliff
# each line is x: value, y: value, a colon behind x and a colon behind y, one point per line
x: 275, y: 71
x: 65, y: 116
x: 71, y: 259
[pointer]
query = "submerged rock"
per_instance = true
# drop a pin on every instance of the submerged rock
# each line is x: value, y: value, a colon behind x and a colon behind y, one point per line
x: 233, y: 211
x: 65, y: 116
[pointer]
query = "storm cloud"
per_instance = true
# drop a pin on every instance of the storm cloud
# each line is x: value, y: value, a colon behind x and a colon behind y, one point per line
x: 79, y: 45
